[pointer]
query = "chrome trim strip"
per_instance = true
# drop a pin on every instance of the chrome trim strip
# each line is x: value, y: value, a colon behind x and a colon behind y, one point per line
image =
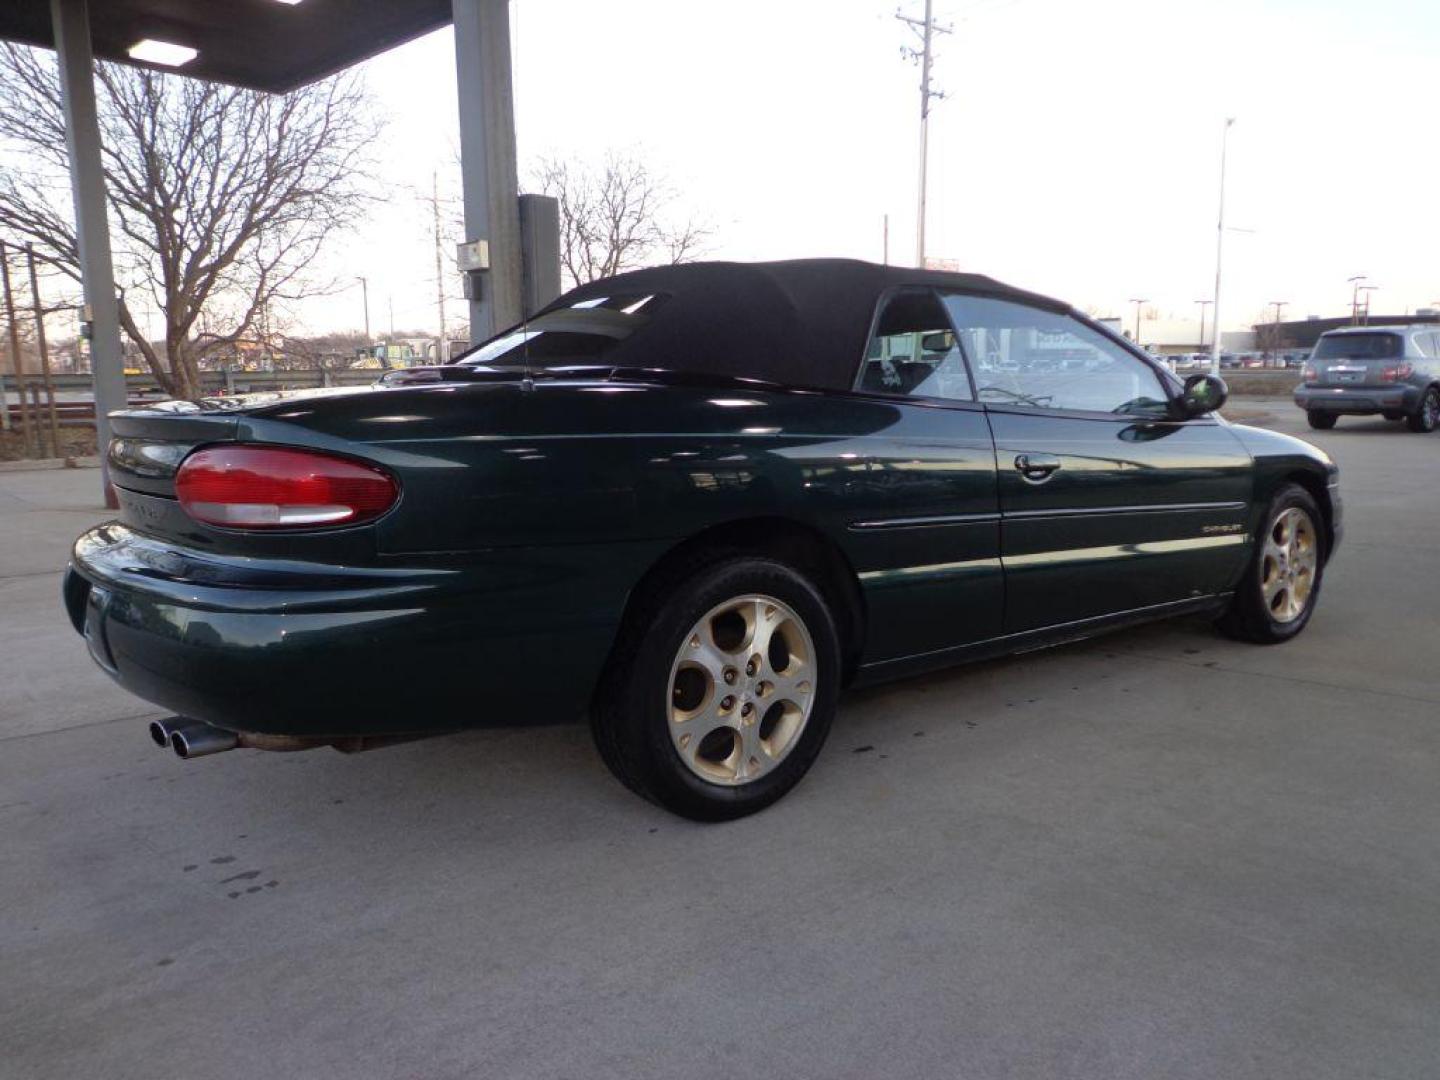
x: 1034, y: 515
x: 925, y: 522
x: 1097, y: 511
x: 1125, y: 551
x: 1091, y: 554
x: 900, y: 573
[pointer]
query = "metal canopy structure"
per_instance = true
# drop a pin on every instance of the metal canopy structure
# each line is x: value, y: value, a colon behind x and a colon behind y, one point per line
x: 276, y: 46
x: 261, y: 44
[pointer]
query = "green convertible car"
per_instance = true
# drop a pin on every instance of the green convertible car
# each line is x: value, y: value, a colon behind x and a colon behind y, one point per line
x: 690, y: 504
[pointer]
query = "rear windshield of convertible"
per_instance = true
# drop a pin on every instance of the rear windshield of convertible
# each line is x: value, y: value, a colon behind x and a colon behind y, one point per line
x: 581, y: 333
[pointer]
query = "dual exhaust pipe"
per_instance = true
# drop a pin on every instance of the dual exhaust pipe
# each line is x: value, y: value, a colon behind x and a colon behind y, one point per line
x: 195, y: 738
x: 191, y: 738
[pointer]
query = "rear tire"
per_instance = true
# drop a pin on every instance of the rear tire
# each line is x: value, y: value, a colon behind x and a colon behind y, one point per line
x: 721, y: 688
x: 1320, y: 421
x: 1278, y: 593
x: 1426, y: 416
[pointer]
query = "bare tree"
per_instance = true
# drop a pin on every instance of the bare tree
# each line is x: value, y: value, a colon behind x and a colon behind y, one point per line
x: 219, y: 197
x: 615, y: 217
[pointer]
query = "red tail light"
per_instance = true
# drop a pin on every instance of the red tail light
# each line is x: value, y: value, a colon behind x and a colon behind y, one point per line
x: 1310, y: 374
x: 1396, y: 372
x: 260, y: 487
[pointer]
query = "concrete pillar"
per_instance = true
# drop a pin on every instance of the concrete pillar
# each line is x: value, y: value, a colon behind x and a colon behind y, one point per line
x: 539, y: 251
x: 71, y: 20
x: 487, y: 157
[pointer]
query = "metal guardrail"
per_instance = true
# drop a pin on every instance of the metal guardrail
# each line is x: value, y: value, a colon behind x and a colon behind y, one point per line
x: 75, y: 402
x: 232, y: 382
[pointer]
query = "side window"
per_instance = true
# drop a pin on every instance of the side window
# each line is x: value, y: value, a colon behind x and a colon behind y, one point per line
x: 912, y: 351
x: 1424, y: 344
x: 1027, y: 356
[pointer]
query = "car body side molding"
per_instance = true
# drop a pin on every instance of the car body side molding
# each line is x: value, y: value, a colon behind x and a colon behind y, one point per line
x: 1030, y: 640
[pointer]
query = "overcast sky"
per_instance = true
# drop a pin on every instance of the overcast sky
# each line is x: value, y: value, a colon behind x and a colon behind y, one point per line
x: 1077, y: 153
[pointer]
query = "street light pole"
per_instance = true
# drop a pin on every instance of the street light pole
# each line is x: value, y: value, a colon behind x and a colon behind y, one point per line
x: 1203, y: 305
x: 1138, y: 304
x: 1220, y: 248
x: 1279, y: 306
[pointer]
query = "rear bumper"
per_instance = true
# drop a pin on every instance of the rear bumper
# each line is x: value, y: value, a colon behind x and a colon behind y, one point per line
x: 1357, y: 399
x: 290, y: 648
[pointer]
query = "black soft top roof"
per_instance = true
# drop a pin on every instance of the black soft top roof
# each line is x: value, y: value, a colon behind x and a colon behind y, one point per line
x: 802, y: 322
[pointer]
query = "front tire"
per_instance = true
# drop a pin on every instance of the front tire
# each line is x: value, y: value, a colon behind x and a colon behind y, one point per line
x: 1426, y: 416
x: 1277, y: 596
x: 1320, y: 421
x: 721, y: 689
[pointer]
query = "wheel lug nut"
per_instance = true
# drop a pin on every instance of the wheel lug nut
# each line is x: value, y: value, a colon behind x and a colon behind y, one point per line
x: 727, y: 703
x: 730, y: 675
x: 746, y: 709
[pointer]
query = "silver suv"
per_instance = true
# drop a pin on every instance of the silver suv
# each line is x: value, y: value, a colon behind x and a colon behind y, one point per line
x: 1362, y: 370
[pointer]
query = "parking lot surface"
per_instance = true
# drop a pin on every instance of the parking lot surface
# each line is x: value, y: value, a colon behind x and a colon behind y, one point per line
x: 1155, y: 854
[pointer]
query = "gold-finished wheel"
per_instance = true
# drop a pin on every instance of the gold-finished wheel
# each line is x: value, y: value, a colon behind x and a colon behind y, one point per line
x: 742, y: 687
x: 1289, y: 562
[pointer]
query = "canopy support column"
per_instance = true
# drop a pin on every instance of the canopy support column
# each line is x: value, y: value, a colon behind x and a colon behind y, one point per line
x: 487, y: 160
x: 71, y: 20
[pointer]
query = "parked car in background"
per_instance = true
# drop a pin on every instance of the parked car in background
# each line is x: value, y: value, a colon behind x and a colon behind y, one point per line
x: 1362, y: 370
x: 691, y: 503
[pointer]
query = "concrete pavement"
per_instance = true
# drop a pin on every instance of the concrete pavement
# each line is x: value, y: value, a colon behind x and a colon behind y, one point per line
x: 1157, y: 854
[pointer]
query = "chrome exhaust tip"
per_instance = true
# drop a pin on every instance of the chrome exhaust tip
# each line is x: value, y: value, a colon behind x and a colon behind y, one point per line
x: 198, y: 740
x: 160, y: 731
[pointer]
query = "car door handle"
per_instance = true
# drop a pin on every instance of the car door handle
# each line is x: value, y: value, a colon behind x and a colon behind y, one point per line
x: 1036, y: 468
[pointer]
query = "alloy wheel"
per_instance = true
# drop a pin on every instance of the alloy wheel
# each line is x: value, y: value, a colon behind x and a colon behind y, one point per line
x: 1290, y: 559
x: 741, y: 690
x: 1431, y: 405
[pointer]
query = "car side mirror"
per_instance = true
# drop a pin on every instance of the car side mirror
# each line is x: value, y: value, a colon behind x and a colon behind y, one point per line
x: 1203, y: 394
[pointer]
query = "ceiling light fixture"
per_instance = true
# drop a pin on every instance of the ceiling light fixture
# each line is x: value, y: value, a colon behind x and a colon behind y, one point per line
x: 164, y: 53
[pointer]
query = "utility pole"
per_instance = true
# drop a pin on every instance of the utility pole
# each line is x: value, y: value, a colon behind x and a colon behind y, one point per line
x: 1220, y: 248
x: 924, y: 56
x: 29, y: 427
x: 439, y: 272
x: 1364, y: 310
x: 1355, y: 298
x: 44, y: 355
x: 1203, y: 305
x: 1138, y: 305
x: 885, y: 243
